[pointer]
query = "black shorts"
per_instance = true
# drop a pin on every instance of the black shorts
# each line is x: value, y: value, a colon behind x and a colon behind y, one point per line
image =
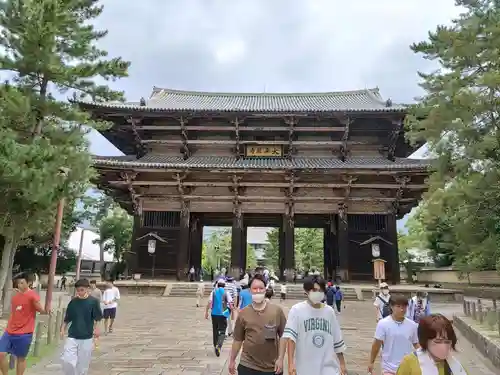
x: 283, y: 295
x: 109, y: 313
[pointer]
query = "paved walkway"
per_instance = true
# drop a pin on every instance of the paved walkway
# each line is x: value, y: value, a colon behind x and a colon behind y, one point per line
x: 169, y: 336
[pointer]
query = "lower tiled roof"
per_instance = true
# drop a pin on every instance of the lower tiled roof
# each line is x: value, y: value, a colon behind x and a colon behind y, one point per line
x: 224, y: 162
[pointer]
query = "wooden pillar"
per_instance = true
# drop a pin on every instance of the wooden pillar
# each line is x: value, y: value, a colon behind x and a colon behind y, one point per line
x: 326, y: 253
x: 289, y: 246
x: 133, y: 257
x: 343, y: 244
x: 281, y: 253
x: 392, y: 234
x: 195, y: 242
x: 183, y: 251
x: 237, y: 238
x: 244, y: 248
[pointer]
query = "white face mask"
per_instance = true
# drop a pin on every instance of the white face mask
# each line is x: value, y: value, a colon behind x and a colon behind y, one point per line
x: 258, y: 297
x: 385, y: 292
x: 315, y: 297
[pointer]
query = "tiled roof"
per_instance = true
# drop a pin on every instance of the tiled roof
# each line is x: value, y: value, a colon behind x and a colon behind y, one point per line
x: 368, y: 100
x: 214, y: 162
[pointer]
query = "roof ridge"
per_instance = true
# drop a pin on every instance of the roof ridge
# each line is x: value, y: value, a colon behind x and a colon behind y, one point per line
x: 373, y: 92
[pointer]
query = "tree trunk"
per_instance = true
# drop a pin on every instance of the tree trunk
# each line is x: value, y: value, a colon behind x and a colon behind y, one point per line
x: 101, y: 259
x: 8, y: 249
x: 7, y: 288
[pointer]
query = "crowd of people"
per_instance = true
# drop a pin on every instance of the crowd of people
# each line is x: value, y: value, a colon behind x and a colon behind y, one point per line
x: 409, y: 339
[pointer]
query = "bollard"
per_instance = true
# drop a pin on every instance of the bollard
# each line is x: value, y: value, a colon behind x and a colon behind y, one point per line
x: 491, y: 318
x: 58, y: 326
x: 494, y: 304
x: 50, y: 329
x: 473, y: 310
x: 38, y: 339
x: 59, y: 302
x: 465, y: 307
x: 498, y: 321
x: 467, y: 303
x: 480, y: 315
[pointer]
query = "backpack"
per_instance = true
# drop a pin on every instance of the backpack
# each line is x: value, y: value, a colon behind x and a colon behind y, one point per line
x: 386, y: 307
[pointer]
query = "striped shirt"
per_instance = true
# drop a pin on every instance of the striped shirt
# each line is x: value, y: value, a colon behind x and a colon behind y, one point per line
x: 232, y: 290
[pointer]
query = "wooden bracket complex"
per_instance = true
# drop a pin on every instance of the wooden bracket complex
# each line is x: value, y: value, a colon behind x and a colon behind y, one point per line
x: 237, y: 148
x: 140, y: 148
x: 128, y: 178
x: 393, y: 139
x: 289, y: 198
x: 186, y: 152
x: 291, y: 122
x: 344, y: 151
x: 403, y: 182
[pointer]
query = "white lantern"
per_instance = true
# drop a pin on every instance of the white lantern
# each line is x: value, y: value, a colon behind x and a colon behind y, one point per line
x: 151, y: 246
x: 375, y: 250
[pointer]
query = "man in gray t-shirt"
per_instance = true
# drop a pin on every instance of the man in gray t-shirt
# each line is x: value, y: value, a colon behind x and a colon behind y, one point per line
x: 95, y: 291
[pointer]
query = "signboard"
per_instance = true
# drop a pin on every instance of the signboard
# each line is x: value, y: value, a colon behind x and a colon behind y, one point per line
x: 375, y: 250
x: 151, y: 246
x: 257, y: 151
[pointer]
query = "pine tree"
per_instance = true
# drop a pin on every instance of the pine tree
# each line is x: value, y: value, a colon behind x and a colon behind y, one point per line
x: 49, y: 48
x: 459, y: 117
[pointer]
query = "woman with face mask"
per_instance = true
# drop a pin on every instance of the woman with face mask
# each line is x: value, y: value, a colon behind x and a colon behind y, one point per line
x: 437, y: 341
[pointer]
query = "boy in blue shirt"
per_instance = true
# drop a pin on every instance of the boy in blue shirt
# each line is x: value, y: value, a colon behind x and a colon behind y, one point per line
x: 219, y: 301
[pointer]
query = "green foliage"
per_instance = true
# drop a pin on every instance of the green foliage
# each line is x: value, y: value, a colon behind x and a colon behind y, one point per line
x: 216, y: 251
x: 115, y: 232
x: 308, y: 249
x: 460, y: 118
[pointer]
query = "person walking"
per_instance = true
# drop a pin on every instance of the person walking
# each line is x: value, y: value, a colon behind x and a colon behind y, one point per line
x: 83, y: 315
x: 257, y: 333
x: 218, y: 302
x: 95, y: 291
x: 63, y: 282
x: 418, y: 307
x: 16, y: 340
x: 314, y: 339
x: 245, y: 295
x: 110, y: 299
x: 200, y: 292
x: 437, y: 340
x: 339, y: 297
x: 381, y: 303
x: 283, y: 291
x: 396, y: 335
x: 231, y: 289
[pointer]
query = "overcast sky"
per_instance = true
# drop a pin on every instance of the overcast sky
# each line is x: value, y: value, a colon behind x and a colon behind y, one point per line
x: 269, y: 45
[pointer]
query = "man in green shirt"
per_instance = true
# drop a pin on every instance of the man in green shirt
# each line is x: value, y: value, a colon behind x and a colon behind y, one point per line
x: 82, y: 317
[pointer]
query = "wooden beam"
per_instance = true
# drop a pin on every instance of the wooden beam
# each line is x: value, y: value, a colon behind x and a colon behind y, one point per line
x: 235, y: 188
x: 261, y: 143
x: 257, y: 198
x: 275, y: 184
x: 228, y: 128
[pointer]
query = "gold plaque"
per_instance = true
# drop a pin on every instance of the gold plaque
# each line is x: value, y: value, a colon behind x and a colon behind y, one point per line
x: 257, y: 151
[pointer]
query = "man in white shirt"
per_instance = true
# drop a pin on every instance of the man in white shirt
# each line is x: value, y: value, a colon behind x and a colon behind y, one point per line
x: 396, y: 335
x: 110, y: 299
x: 315, y: 344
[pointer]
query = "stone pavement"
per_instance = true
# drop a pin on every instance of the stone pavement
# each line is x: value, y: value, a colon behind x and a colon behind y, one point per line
x: 169, y: 336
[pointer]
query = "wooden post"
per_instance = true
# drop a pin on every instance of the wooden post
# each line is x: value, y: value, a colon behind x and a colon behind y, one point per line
x: 498, y: 321
x: 490, y: 318
x: 392, y: 232
x: 473, y: 310
x: 494, y: 304
x: 58, y: 325
x: 183, y: 251
x: 343, y: 243
x: 38, y: 339
x: 289, y: 246
x: 480, y: 315
x: 465, y: 307
x: 50, y: 328
x: 236, y: 268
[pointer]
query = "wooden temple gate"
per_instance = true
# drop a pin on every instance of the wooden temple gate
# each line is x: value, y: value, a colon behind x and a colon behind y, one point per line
x: 336, y: 161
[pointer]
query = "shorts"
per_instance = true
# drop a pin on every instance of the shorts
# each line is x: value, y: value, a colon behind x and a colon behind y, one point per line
x: 283, y: 295
x: 109, y: 313
x: 18, y: 345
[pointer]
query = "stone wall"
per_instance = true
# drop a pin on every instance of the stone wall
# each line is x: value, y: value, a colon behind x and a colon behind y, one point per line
x: 451, y: 277
x: 488, y: 346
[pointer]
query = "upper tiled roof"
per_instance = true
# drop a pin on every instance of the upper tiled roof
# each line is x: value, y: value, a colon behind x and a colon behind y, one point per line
x: 368, y: 100
x: 214, y: 162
